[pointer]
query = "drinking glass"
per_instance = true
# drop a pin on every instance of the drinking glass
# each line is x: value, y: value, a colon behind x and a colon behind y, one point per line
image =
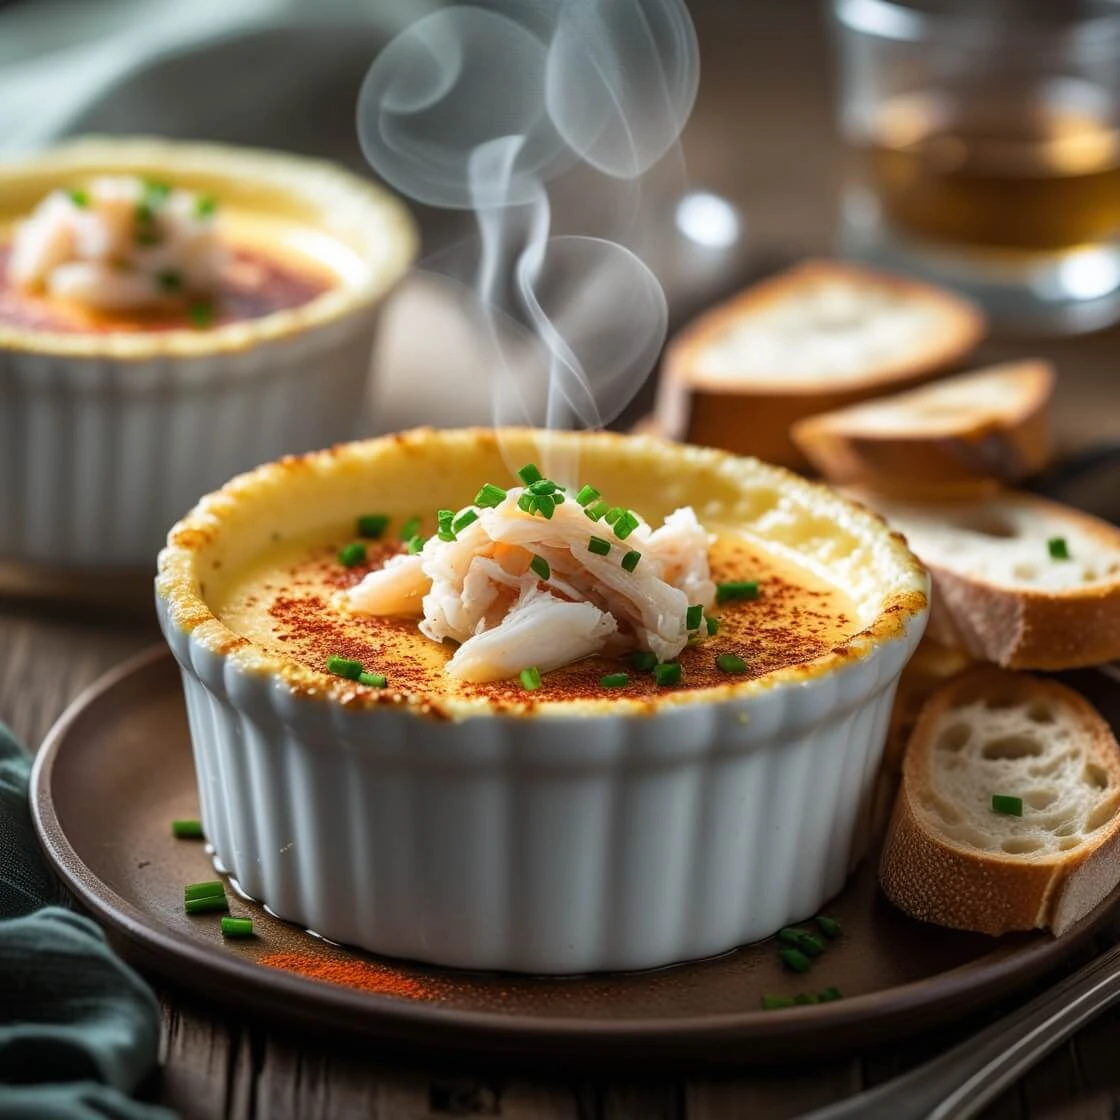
x: 984, y: 143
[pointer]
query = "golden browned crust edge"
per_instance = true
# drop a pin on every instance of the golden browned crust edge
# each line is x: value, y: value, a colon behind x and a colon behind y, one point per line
x: 984, y: 450
x: 178, y: 581
x: 939, y: 881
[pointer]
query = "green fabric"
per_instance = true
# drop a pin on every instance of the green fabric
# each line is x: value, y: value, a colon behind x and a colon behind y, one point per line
x: 79, y: 1030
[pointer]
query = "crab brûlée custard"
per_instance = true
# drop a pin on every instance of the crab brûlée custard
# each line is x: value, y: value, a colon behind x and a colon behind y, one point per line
x: 172, y: 313
x: 551, y: 702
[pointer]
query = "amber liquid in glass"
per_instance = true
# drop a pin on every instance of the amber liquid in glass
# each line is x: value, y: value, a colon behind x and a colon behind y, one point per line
x: 998, y: 173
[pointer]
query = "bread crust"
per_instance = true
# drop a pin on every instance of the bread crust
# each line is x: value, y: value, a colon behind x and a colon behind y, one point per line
x: 937, y: 879
x: 1024, y: 627
x: 753, y: 414
x: 967, y: 459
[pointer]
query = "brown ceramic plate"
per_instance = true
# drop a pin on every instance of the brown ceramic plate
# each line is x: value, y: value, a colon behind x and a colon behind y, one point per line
x: 117, y: 769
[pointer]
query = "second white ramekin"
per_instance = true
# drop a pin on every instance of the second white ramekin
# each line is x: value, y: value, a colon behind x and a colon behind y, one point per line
x: 107, y: 439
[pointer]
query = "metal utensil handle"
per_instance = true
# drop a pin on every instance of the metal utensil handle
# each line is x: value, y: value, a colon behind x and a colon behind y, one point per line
x: 960, y: 1082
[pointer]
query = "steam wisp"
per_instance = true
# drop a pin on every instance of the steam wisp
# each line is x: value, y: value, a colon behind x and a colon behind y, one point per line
x: 480, y: 108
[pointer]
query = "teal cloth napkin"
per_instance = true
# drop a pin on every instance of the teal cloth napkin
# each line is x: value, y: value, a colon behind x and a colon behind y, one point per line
x: 79, y: 1030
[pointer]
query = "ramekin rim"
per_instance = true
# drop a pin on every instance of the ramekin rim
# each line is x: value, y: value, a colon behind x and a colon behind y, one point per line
x: 316, y: 179
x: 184, y: 611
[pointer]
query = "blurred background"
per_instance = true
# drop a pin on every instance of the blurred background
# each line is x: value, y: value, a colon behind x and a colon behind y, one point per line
x: 760, y: 185
x: 286, y: 74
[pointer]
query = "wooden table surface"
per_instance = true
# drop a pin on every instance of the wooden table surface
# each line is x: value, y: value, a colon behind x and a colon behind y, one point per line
x: 762, y: 135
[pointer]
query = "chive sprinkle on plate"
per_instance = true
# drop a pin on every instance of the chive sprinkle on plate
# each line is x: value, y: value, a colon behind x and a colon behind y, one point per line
x: 206, y: 905
x: 187, y: 829
x: 615, y: 680
x: 237, y: 927
x: 208, y: 889
x: 531, y: 678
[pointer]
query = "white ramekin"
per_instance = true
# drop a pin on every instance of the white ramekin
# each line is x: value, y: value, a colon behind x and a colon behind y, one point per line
x: 107, y: 439
x: 564, y: 839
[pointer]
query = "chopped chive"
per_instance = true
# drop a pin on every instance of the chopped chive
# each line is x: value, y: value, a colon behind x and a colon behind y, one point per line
x: 773, y: 1003
x: 795, y: 960
x: 713, y: 626
x: 467, y: 517
x: 527, y: 502
x: 596, y: 511
x: 558, y: 496
x: 414, y: 544
x: 789, y: 935
x: 545, y: 505
x: 643, y: 660
x: 830, y: 927
x: 615, y: 680
x: 531, y: 678
x: 809, y: 944
x: 489, y: 496
x: 204, y: 890
x: 372, y: 525
x: 409, y: 529
x: 1058, y: 548
x: 737, y: 591
x: 206, y: 206
x: 156, y: 193
x: 667, y: 673
x: 201, y: 313
x: 79, y: 197
x: 587, y: 495
x: 372, y: 680
x: 352, y: 554
x: 540, y: 565
x: 804, y: 998
x: 237, y: 927
x: 1008, y: 806
x: 529, y: 474
x: 444, y: 517
x: 599, y: 546
x: 694, y: 616
x: 145, y: 215
x: 187, y: 829
x: 630, y: 560
x: 543, y: 486
x: 731, y: 663
x: 207, y: 904
x: 613, y: 514
x: 828, y: 995
x: 169, y: 280
x: 625, y: 525
x: 344, y: 667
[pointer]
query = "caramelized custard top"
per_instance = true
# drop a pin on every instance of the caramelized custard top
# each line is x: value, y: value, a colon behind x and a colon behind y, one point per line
x: 288, y: 603
x: 253, y: 284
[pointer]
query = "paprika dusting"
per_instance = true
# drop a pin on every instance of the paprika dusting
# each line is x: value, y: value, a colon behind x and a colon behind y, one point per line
x: 362, y: 976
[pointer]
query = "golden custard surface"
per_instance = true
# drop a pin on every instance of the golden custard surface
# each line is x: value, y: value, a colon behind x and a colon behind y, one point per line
x: 287, y: 604
x: 275, y: 264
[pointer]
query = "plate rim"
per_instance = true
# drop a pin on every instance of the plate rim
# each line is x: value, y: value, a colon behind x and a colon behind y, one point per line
x: 1001, y: 971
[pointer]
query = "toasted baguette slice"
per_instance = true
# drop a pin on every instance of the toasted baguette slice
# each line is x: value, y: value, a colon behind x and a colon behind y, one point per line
x: 950, y: 858
x: 998, y: 593
x: 817, y: 337
x: 956, y: 437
